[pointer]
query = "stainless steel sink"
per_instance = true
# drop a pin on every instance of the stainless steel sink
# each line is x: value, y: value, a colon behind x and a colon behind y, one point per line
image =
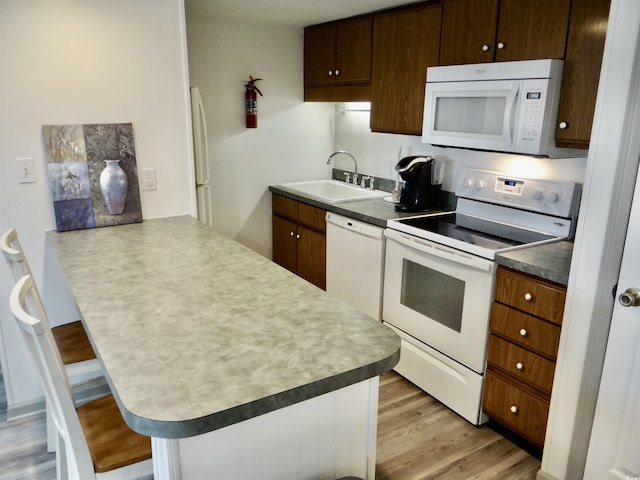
x: 331, y: 191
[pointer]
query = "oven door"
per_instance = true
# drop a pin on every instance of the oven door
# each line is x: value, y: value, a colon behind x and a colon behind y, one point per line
x: 440, y: 296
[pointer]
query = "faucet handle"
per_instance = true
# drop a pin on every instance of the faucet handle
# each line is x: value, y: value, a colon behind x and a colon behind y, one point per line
x: 371, y: 180
x: 363, y: 181
x: 347, y: 177
x: 355, y: 178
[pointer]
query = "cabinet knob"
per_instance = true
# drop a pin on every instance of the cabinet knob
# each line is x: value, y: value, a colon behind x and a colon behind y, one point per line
x: 337, y: 72
x: 520, y: 366
x: 523, y: 332
x: 291, y: 234
x: 501, y: 46
x: 528, y: 297
x: 563, y: 125
x: 514, y: 409
x: 485, y: 48
x: 298, y: 236
x: 330, y: 72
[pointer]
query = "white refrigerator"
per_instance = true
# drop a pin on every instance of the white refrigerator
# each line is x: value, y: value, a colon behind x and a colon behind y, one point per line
x: 201, y: 158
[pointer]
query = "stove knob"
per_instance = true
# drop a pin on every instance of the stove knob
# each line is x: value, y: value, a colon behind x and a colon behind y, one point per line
x: 537, y: 194
x: 478, y: 185
x: 468, y: 183
x: 552, y: 197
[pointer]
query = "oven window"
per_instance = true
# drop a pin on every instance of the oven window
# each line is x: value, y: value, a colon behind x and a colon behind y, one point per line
x: 433, y: 294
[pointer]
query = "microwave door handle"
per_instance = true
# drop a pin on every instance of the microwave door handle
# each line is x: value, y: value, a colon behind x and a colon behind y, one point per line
x: 510, y: 114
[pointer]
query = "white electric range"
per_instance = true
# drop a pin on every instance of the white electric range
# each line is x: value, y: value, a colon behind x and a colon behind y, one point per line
x: 440, y: 273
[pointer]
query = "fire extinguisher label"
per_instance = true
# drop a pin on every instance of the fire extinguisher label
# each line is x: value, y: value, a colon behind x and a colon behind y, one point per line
x: 251, y: 106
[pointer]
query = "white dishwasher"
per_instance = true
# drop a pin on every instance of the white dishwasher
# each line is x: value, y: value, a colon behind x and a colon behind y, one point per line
x: 355, y: 258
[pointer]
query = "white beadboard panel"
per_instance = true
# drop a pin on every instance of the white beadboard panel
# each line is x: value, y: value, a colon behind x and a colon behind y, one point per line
x: 324, y: 438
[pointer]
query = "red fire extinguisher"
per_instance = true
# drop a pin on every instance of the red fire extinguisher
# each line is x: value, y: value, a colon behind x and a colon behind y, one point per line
x: 251, y: 102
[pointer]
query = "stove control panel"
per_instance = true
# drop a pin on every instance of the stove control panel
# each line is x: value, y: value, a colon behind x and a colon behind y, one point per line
x: 545, y: 196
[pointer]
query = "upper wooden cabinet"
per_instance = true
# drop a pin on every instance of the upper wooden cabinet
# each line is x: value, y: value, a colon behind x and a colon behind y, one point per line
x: 337, y: 60
x: 405, y: 43
x: 585, y: 46
x: 477, y: 31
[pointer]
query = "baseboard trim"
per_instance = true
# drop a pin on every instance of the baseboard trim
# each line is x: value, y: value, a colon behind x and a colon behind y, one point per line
x: 21, y: 410
x: 82, y: 393
x: 545, y: 476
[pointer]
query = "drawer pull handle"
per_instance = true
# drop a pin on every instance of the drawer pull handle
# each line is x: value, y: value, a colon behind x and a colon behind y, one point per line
x: 520, y: 366
x: 514, y: 409
x: 528, y: 297
x: 523, y: 332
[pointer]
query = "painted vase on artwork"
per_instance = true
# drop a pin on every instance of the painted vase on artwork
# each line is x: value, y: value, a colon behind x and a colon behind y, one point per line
x: 114, y: 183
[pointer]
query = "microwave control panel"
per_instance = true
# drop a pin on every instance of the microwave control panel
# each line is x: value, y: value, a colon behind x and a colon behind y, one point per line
x: 533, y: 107
x: 545, y: 196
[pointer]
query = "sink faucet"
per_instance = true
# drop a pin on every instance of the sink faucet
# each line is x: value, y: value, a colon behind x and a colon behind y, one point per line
x: 355, y: 164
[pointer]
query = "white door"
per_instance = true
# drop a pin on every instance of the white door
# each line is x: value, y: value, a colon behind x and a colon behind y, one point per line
x: 614, y: 450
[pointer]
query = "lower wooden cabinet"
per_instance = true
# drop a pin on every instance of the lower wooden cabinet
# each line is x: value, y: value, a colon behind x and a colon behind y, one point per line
x: 299, y: 239
x: 516, y: 407
x: 526, y: 319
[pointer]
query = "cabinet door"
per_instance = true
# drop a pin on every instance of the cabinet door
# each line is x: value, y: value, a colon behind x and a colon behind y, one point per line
x: 353, y: 50
x: 319, y: 55
x: 468, y: 31
x: 312, y: 256
x: 532, y: 29
x: 585, y: 46
x: 285, y: 244
x: 404, y: 44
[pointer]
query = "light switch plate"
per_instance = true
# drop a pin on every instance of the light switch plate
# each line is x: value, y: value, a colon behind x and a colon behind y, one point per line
x: 148, y: 178
x: 25, y: 171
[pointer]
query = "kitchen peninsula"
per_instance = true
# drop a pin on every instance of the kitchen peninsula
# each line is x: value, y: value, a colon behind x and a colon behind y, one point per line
x: 235, y: 367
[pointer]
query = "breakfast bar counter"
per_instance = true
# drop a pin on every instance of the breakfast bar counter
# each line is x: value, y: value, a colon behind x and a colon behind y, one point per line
x: 199, y: 336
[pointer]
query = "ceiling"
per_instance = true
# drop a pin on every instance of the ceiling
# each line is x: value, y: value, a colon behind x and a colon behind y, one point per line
x: 298, y: 13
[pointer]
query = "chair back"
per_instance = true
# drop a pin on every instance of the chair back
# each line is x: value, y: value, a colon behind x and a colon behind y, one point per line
x: 13, y: 253
x: 30, y: 315
x: 17, y: 261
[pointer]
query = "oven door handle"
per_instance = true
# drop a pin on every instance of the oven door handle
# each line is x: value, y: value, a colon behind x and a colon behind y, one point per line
x: 441, y: 251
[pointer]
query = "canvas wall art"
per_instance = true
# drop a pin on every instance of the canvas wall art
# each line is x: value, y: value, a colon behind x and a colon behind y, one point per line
x: 93, y: 175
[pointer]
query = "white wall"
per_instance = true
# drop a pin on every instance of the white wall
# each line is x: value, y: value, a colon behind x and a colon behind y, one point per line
x: 76, y: 62
x: 293, y: 138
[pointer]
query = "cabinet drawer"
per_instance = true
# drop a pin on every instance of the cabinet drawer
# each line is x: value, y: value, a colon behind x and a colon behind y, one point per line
x: 517, y: 409
x: 521, y: 363
x: 312, y: 217
x: 284, y: 207
x: 534, y: 296
x: 525, y: 330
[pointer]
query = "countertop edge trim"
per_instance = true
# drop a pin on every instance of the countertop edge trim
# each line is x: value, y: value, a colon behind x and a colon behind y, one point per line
x: 240, y: 413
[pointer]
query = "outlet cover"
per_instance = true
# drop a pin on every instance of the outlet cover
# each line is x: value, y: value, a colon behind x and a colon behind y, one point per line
x: 148, y: 178
x: 25, y: 171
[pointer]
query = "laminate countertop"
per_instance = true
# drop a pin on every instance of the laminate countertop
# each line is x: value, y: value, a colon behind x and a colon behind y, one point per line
x: 550, y: 261
x: 197, y: 332
x: 375, y: 211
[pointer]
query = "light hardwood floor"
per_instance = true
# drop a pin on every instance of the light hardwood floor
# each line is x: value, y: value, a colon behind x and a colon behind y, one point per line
x: 418, y: 439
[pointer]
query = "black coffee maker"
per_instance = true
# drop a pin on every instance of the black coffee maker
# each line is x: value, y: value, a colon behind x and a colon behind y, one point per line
x: 419, y: 188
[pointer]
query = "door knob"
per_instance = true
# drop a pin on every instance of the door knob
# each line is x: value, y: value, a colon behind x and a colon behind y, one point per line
x: 630, y: 298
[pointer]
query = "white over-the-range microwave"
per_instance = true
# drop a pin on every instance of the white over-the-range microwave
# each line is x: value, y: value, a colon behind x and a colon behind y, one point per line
x: 502, y: 106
